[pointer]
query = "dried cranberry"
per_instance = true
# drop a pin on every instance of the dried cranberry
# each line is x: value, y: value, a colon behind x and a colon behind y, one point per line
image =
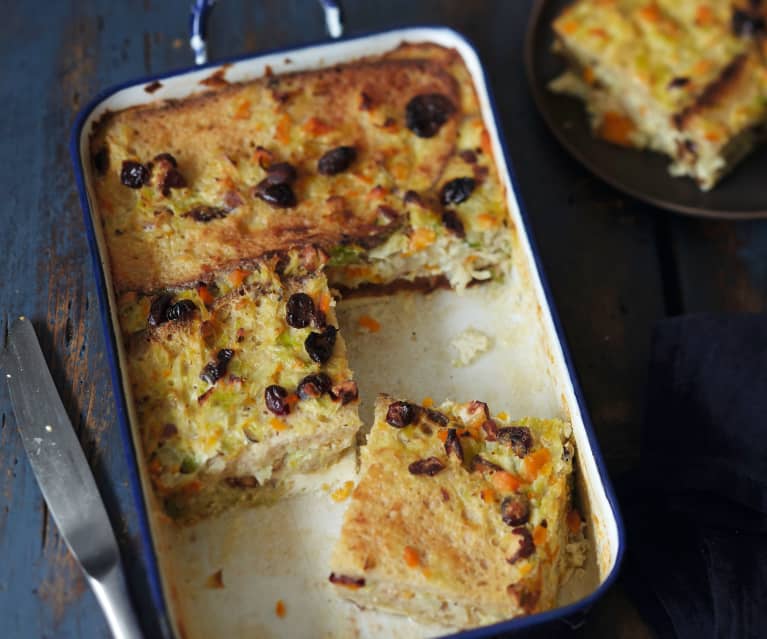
x: 101, y: 160
x: 412, y: 197
x: 336, y: 160
x: 436, y: 417
x: 453, y: 444
x: 134, y: 174
x: 483, y: 465
x: 279, y: 195
x: 747, y: 24
x: 181, y: 310
x: 275, y: 397
x: 475, y: 406
x: 166, y: 157
x: 491, y: 430
x: 345, y: 392
x: 401, y: 414
x: 159, y: 309
x: 678, y: 82
x: 299, y: 310
x: 313, y: 386
x: 518, y: 437
x: 345, y: 580
x: 246, y: 481
x: 429, y: 466
x: 526, y: 548
x: 320, y: 346
x: 206, y: 213
x: 453, y: 223
x: 457, y: 190
x: 281, y: 173
x: 426, y: 113
x: 169, y: 176
x: 515, y: 510
x: 214, y: 371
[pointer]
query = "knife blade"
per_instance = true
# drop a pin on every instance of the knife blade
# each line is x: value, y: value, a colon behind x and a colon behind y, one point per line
x: 65, y: 479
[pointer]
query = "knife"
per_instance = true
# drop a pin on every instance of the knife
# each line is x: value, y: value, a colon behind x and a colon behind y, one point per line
x: 65, y: 479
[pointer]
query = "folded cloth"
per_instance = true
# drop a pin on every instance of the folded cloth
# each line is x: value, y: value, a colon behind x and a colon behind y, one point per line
x: 696, y: 510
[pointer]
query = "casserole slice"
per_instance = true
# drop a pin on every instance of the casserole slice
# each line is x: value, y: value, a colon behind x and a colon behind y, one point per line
x: 458, y: 518
x: 385, y: 163
x: 684, y: 78
x: 240, y: 383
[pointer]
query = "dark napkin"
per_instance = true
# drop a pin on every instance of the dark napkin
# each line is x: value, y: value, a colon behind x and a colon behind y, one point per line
x: 696, y: 510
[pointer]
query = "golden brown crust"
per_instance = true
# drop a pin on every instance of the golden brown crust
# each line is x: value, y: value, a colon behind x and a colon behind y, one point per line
x: 296, y: 118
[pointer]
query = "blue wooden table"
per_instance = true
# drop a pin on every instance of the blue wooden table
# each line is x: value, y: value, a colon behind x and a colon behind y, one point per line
x: 615, y: 265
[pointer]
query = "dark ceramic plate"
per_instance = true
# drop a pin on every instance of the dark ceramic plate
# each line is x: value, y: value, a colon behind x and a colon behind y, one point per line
x: 740, y: 194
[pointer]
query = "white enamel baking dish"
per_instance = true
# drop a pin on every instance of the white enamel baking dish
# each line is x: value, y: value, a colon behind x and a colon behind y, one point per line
x: 281, y: 552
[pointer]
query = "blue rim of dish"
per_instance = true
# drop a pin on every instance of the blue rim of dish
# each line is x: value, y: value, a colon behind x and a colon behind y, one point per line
x: 147, y: 545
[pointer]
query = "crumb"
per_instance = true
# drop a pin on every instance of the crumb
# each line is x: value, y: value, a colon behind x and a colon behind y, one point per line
x: 469, y: 345
x: 215, y: 581
x: 343, y: 492
x: 279, y: 608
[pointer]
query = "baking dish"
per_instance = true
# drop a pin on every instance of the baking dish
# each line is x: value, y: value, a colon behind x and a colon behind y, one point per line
x: 225, y: 576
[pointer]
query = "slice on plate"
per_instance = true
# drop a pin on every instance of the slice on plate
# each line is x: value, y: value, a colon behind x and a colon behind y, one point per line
x: 458, y: 518
x: 684, y: 78
x: 239, y: 383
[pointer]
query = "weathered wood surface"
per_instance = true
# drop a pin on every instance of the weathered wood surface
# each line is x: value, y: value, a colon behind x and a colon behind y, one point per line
x: 615, y: 265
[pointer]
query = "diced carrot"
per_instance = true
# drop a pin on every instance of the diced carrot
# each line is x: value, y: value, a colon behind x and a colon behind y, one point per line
x: 488, y: 495
x: 539, y: 535
x: 155, y: 466
x: 237, y: 277
x: 616, y: 128
x: 427, y: 402
x: 316, y: 126
x: 193, y: 487
x: 535, y: 461
x: 166, y: 373
x: 574, y: 521
x: 505, y: 482
x: 422, y: 238
x: 712, y: 136
x: 702, y: 67
x: 588, y: 75
x: 242, y: 110
x: 400, y: 172
x: 411, y: 557
x: 262, y: 157
x: 291, y: 400
x: 570, y: 27
x: 282, y: 134
x: 487, y: 221
x: 484, y: 143
x: 704, y: 17
x: 324, y: 303
x: 369, y: 323
x: 277, y: 424
x: 442, y: 435
x: 598, y: 33
x: 205, y: 295
x: 650, y: 12
x: 279, y: 608
x: 377, y: 193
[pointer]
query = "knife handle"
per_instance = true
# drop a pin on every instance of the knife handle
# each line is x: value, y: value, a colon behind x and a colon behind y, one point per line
x: 112, y: 594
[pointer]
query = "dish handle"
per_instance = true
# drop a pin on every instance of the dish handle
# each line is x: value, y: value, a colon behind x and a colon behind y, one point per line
x: 201, y: 9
